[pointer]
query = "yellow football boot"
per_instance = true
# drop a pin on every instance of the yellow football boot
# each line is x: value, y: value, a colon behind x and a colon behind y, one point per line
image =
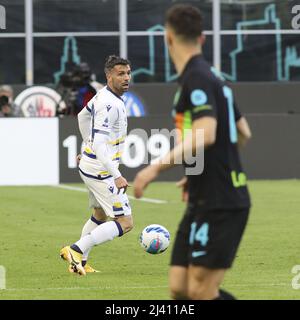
x: 74, y: 258
x: 87, y: 269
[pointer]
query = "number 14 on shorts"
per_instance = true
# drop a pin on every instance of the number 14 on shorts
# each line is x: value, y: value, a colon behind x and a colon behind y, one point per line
x: 199, y: 235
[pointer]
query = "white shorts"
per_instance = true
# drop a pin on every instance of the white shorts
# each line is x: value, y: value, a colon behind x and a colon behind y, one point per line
x: 104, y: 194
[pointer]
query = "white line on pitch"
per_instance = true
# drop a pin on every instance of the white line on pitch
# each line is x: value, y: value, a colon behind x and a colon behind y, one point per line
x: 148, y: 200
x: 86, y: 288
x: 62, y: 186
x: 258, y: 286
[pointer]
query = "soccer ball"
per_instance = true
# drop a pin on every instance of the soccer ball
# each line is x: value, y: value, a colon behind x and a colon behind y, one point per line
x: 155, y: 239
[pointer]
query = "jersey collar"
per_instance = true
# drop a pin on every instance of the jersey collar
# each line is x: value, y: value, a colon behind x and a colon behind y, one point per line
x: 109, y: 89
x: 189, y: 64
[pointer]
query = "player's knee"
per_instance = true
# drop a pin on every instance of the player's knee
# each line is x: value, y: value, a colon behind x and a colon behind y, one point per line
x: 202, y: 291
x: 178, y: 293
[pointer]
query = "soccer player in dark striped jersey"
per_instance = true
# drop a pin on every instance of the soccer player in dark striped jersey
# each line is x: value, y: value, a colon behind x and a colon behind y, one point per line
x: 218, y: 201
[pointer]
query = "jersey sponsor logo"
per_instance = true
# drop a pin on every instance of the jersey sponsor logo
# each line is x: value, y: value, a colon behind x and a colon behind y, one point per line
x: 196, y: 254
x: 198, y: 97
x: 40, y: 102
x: 238, y: 179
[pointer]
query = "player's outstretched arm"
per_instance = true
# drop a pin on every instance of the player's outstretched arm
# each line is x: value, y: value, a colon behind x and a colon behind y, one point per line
x: 187, y: 147
x: 244, y: 131
x: 143, y: 178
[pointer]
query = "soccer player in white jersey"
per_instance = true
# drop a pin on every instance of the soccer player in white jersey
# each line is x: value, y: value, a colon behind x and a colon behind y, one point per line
x: 103, y: 126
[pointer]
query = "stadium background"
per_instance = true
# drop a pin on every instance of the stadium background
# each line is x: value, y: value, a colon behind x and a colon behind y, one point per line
x: 252, y: 35
x: 253, y: 44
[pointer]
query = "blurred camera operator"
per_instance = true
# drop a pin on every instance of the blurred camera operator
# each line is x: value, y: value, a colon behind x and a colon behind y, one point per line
x: 7, y: 94
x: 5, y: 107
x: 76, y: 89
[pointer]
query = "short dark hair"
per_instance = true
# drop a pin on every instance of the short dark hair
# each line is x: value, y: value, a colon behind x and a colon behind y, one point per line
x: 186, y: 21
x: 114, y: 60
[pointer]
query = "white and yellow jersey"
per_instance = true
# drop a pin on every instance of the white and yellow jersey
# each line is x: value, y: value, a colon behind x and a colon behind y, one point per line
x: 109, y: 118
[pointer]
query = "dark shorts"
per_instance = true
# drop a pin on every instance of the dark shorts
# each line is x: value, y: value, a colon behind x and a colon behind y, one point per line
x: 209, y: 239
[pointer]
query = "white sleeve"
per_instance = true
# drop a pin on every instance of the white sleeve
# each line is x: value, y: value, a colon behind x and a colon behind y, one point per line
x: 84, y: 122
x: 100, y: 147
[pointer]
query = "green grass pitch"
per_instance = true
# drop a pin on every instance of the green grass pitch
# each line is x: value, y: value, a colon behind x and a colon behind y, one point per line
x: 36, y: 221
